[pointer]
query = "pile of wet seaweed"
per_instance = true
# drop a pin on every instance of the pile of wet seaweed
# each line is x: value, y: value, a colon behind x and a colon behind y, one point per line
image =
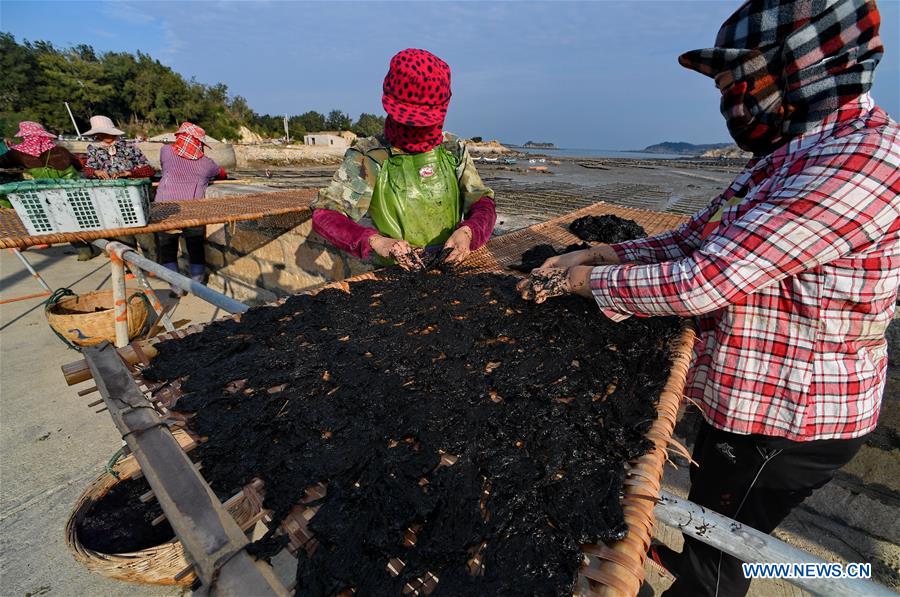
x: 119, y: 522
x: 606, y: 229
x: 538, y: 254
x: 541, y: 405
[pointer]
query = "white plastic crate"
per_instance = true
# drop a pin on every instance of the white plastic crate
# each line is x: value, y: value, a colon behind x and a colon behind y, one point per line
x: 47, y: 206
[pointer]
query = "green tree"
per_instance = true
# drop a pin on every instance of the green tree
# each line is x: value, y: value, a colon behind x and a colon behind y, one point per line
x: 339, y: 121
x: 18, y: 65
x: 308, y: 122
x: 17, y: 93
x: 68, y: 77
x: 368, y: 125
x: 142, y: 95
x: 120, y: 69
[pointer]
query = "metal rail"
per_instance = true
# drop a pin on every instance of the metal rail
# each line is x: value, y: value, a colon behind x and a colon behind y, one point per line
x: 749, y: 545
x: 120, y: 254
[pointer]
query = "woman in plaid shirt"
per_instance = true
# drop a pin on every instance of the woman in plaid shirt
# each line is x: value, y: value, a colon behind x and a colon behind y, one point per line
x: 792, y: 272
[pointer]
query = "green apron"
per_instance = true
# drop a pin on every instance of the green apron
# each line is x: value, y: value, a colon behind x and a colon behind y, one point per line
x: 46, y: 171
x: 416, y: 198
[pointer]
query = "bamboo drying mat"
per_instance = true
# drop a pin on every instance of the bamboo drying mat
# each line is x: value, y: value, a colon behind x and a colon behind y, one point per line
x: 615, y: 569
x: 505, y: 250
x: 169, y: 215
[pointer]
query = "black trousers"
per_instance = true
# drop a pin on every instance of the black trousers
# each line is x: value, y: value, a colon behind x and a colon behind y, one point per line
x: 167, y: 245
x: 757, y: 480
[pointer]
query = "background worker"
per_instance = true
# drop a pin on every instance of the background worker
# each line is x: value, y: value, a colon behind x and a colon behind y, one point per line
x: 112, y: 156
x: 792, y: 272
x: 186, y: 172
x: 415, y: 183
x: 39, y: 156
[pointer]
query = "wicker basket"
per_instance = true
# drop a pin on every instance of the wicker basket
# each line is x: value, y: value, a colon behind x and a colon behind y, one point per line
x: 76, y: 318
x: 163, y: 564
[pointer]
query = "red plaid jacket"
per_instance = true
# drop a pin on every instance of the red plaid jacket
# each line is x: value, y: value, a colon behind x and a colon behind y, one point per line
x: 793, y: 287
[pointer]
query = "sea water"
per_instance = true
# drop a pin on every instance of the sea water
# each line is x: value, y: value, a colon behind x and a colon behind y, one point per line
x: 601, y: 153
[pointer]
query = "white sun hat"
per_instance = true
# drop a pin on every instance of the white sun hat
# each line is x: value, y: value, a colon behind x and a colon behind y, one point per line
x: 103, y: 124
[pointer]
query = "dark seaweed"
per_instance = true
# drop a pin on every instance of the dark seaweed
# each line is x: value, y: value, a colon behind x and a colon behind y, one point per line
x: 538, y: 254
x: 606, y: 229
x: 542, y: 405
x: 120, y: 522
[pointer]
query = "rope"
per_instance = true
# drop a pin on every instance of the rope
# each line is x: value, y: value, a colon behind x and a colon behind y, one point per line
x: 51, y: 301
x: 111, y: 463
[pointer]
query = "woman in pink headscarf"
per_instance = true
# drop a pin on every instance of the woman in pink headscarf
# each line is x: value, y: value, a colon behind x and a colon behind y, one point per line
x: 39, y: 155
x: 413, y: 190
x: 186, y: 173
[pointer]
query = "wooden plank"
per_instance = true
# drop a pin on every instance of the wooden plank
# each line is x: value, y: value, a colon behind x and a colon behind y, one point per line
x: 79, y: 371
x: 212, y: 540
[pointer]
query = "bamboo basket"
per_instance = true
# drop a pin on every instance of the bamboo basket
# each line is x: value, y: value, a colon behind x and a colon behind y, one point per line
x: 163, y: 564
x: 76, y: 319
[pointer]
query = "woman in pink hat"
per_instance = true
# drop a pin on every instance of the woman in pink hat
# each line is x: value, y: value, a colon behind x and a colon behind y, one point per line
x: 413, y: 188
x: 186, y: 173
x: 38, y: 154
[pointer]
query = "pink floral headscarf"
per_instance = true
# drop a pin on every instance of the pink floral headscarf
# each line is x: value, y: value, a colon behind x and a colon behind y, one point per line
x: 35, y: 139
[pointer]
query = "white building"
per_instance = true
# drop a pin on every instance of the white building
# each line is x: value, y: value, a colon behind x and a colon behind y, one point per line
x: 327, y: 138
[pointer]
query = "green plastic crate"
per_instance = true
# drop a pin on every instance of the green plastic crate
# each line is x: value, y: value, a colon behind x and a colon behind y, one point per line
x: 59, y: 205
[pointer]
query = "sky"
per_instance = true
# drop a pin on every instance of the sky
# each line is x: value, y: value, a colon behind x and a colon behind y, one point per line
x: 601, y: 74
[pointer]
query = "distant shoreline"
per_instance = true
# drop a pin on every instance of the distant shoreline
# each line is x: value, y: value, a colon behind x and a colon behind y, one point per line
x: 563, y: 152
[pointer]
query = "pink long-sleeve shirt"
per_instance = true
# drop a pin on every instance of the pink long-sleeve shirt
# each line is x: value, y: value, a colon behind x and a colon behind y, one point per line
x: 352, y: 237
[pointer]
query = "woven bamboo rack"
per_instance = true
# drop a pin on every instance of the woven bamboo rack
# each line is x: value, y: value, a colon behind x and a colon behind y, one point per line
x: 614, y: 569
x: 171, y: 215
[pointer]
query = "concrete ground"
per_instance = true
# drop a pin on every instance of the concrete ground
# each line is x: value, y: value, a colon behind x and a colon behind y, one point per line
x: 52, y: 444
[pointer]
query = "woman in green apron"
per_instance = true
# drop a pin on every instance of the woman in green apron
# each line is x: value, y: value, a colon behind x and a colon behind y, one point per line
x: 414, y: 188
x: 39, y: 156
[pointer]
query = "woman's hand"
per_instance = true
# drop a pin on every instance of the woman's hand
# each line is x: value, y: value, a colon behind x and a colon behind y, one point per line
x: 103, y: 174
x: 399, y: 250
x: 544, y: 283
x: 599, y: 255
x: 460, y: 241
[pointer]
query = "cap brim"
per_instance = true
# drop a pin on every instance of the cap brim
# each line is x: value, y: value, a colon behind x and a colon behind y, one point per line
x: 414, y: 114
x: 712, y: 61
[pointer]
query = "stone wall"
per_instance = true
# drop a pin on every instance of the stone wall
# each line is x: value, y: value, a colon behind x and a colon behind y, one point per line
x: 258, y: 261
x: 256, y: 156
